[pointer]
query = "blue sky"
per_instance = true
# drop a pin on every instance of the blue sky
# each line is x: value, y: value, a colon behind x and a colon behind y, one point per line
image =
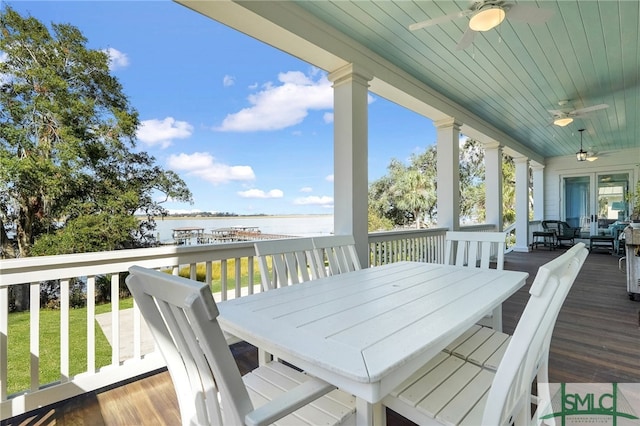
x: 248, y: 127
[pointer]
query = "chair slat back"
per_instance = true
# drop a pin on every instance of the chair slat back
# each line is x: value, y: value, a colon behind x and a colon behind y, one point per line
x: 182, y: 317
x: 528, y: 351
x: 292, y: 262
x: 464, y: 248
x: 338, y: 251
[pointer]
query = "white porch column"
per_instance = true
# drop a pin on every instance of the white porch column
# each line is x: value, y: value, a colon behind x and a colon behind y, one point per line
x: 350, y: 155
x: 522, y: 204
x: 538, y: 191
x: 448, y: 147
x: 493, y: 183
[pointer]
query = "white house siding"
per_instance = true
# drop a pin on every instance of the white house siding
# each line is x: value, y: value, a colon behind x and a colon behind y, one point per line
x: 608, y: 162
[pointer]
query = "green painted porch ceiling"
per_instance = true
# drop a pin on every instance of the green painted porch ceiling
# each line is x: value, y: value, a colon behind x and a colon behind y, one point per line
x: 587, y: 53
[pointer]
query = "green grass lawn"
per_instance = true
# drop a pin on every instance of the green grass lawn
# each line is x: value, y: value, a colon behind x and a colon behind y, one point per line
x: 216, y: 274
x: 49, y: 364
x: 19, y: 376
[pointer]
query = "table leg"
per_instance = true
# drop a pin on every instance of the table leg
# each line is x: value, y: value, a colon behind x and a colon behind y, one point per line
x: 368, y: 414
x: 497, y: 318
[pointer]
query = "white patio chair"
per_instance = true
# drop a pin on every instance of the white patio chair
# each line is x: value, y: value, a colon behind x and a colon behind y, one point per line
x: 476, y: 250
x: 292, y: 262
x: 338, y: 251
x: 449, y: 390
x: 182, y: 316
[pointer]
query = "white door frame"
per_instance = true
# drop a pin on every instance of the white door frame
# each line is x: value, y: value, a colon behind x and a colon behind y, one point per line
x: 592, y: 213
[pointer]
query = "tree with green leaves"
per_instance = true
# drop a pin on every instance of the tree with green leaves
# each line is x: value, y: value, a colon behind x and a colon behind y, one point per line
x: 413, y: 193
x: 426, y: 164
x: 375, y: 222
x: 472, y: 176
x: 509, y: 191
x: 70, y: 177
x: 405, y: 195
x: 408, y: 194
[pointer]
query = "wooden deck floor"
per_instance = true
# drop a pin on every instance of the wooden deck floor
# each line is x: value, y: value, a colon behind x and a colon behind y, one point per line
x: 596, y: 339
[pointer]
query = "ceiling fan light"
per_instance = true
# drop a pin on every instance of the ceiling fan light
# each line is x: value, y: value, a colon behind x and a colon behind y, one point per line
x: 563, y: 121
x: 592, y: 158
x: 487, y: 18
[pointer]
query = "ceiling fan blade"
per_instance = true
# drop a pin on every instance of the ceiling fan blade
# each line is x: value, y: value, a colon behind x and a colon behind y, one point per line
x: 589, y: 109
x: 528, y: 14
x: 466, y: 40
x: 439, y: 20
x: 556, y: 112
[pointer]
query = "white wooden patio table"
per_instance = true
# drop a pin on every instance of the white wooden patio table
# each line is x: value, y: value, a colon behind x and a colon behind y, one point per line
x: 367, y: 331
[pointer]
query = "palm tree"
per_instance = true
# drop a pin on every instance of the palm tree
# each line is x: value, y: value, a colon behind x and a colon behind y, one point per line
x: 414, y: 193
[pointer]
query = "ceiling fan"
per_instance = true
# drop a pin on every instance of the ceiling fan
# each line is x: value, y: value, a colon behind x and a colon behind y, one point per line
x: 486, y: 15
x: 592, y: 155
x: 565, y: 116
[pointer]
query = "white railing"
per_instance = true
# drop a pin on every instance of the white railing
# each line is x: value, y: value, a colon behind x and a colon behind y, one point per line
x: 425, y: 245
x: 422, y: 245
x: 88, y: 267
x: 139, y: 358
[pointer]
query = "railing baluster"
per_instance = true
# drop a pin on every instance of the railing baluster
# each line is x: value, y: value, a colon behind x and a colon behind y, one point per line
x: 250, y: 273
x: 34, y: 334
x: 115, y: 319
x: 4, y: 333
x: 91, y: 324
x: 223, y: 279
x: 209, y: 273
x: 238, y: 274
x: 64, y: 331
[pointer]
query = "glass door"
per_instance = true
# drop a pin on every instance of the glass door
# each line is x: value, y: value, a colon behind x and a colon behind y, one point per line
x: 577, y: 203
x: 595, y: 201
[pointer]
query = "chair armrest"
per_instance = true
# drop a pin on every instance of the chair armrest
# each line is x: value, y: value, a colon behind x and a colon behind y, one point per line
x: 288, y: 402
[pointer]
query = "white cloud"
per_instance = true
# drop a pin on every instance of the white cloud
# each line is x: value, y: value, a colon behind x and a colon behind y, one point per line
x: 117, y: 59
x: 228, y: 81
x: 314, y: 200
x: 204, y: 166
x: 258, y: 193
x: 329, y: 178
x: 328, y: 117
x: 161, y: 133
x: 306, y: 189
x: 277, y: 107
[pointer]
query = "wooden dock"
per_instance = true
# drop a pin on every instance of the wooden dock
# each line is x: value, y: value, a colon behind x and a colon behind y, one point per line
x: 196, y: 235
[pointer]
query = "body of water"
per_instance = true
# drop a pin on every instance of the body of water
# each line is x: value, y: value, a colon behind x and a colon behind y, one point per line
x: 300, y: 226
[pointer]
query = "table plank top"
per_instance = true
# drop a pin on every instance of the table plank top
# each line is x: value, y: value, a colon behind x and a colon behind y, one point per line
x: 367, y: 325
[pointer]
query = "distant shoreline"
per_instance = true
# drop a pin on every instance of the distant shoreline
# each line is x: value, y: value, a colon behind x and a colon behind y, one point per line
x: 234, y: 217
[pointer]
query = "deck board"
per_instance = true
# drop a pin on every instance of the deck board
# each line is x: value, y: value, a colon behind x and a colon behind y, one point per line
x: 597, y: 335
x: 596, y: 339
